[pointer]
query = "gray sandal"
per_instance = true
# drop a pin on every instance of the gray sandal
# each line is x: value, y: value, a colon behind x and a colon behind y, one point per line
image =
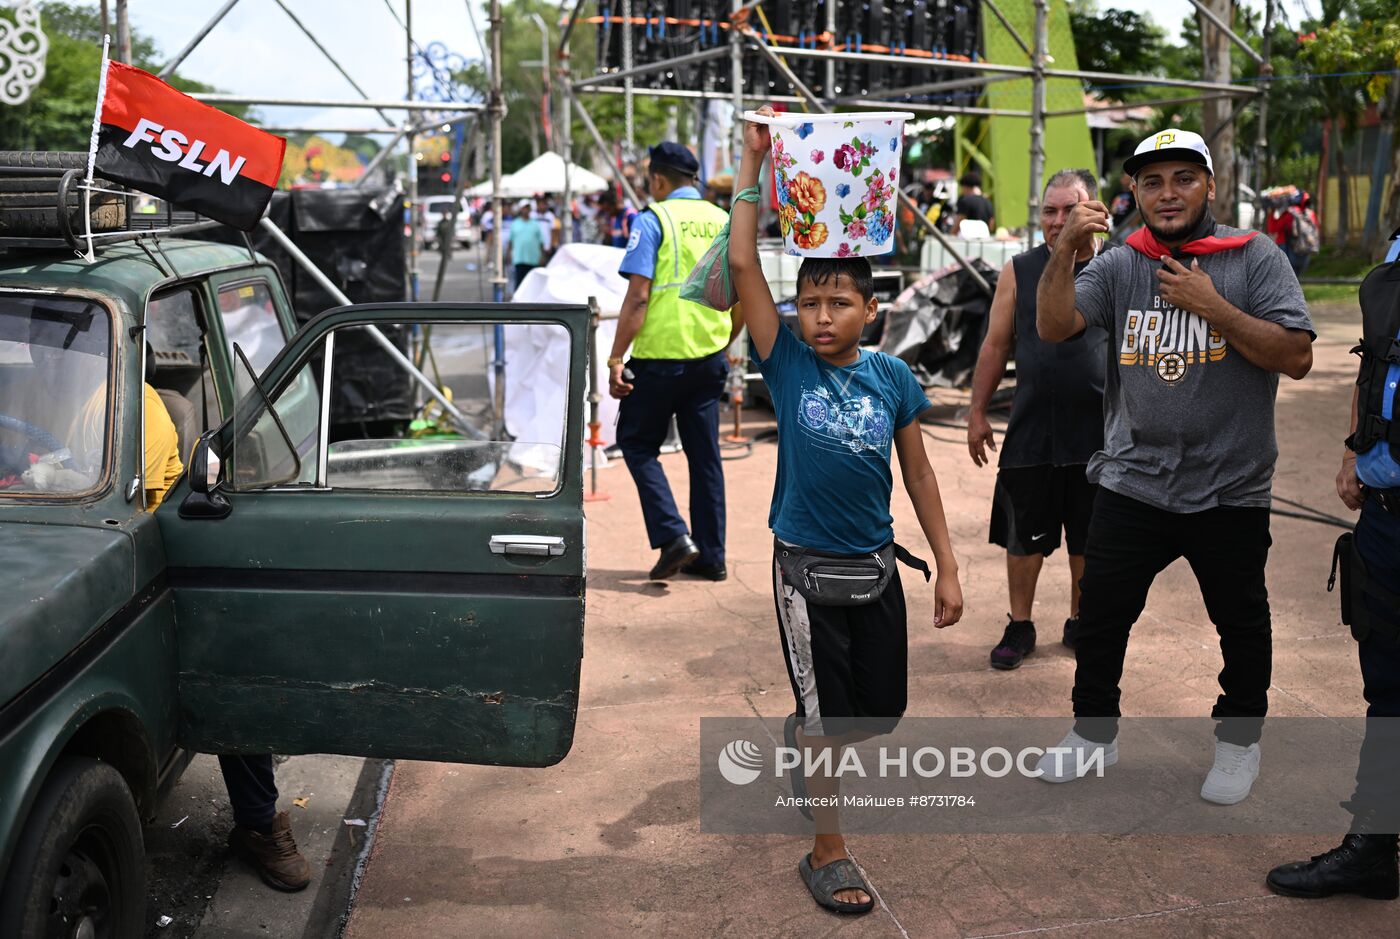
x: 826, y: 881
x: 796, y: 777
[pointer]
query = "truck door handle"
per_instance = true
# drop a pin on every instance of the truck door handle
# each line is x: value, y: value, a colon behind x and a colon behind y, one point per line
x: 535, y: 545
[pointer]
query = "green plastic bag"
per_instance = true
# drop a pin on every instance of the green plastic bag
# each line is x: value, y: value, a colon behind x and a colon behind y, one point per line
x: 709, y: 283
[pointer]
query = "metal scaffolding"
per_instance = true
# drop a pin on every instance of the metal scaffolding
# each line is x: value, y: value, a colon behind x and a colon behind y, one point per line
x: 746, y: 44
x: 441, y: 114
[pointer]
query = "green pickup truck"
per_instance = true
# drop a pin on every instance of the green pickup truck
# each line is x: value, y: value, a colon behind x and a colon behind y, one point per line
x: 415, y: 597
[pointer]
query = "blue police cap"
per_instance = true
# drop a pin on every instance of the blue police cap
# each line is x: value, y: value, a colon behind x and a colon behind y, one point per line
x: 670, y: 154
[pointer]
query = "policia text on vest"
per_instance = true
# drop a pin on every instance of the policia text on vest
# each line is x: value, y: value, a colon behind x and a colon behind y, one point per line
x: 676, y: 328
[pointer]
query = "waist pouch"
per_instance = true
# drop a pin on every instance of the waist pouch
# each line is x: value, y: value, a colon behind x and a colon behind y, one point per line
x: 843, y: 579
x: 1357, y: 589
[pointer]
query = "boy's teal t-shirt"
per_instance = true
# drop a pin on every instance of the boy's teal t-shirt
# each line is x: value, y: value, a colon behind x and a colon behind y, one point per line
x: 835, y: 427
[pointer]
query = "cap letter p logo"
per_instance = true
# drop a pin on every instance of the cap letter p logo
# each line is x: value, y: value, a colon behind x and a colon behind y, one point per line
x: 1165, y: 138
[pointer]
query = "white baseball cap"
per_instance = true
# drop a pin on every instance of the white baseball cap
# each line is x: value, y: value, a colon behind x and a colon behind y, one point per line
x: 1172, y: 144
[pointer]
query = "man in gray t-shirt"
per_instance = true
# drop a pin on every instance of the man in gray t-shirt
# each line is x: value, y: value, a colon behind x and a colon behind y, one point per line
x: 1188, y: 420
x: 1202, y: 319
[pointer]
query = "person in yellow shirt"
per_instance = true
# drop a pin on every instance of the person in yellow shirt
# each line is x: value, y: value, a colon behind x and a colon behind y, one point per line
x: 162, y: 443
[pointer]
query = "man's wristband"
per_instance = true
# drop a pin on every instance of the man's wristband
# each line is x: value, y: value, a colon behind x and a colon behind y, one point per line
x: 614, y: 362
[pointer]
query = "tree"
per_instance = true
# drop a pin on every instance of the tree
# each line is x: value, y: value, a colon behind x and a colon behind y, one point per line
x: 1116, y: 41
x: 1360, y: 36
x: 58, y: 114
x: 1294, y: 103
x: 1216, y: 122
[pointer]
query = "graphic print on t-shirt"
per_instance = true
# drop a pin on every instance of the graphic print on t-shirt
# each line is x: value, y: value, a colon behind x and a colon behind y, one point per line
x: 1168, y: 339
x: 851, y: 425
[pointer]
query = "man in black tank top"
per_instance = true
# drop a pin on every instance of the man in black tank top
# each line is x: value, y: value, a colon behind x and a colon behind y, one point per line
x: 1056, y: 426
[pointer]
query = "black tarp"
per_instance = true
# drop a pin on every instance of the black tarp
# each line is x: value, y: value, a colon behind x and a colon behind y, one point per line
x: 355, y: 236
x: 937, y: 324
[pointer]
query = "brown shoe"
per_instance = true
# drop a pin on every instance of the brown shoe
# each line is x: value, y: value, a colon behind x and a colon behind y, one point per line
x: 274, y: 855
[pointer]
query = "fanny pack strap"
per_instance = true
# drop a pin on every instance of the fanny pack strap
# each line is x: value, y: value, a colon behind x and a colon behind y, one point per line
x: 911, y: 560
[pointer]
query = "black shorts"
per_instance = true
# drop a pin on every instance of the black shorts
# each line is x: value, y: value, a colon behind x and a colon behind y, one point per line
x: 848, y: 665
x: 1033, y: 503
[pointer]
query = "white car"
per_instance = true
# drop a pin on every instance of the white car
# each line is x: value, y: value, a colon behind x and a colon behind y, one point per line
x: 435, y: 208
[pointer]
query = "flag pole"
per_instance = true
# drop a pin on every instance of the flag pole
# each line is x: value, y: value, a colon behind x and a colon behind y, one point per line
x: 92, y: 152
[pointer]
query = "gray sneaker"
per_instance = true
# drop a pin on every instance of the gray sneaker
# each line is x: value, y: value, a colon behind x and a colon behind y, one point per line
x: 1231, y: 778
x: 1074, y: 757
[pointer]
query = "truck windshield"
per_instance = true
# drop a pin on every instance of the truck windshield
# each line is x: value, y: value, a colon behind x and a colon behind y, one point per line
x: 54, y: 395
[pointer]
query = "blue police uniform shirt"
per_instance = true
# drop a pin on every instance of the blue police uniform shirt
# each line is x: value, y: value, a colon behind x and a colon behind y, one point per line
x: 835, y: 427
x: 646, y: 238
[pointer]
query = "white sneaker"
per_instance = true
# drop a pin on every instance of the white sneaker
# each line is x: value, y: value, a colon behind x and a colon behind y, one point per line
x: 1233, y: 774
x: 1074, y: 757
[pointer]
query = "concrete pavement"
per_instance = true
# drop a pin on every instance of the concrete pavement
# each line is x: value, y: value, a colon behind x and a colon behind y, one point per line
x: 608, y: 842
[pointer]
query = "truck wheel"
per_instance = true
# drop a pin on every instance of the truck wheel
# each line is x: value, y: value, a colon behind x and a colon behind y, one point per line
x: 79, y: 868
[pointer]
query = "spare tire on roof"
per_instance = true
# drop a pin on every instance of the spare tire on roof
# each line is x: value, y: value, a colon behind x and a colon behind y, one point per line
x: 45, y: 159
x: 29, y: 203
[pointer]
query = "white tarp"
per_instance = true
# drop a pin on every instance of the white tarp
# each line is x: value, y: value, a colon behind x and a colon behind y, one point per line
x: 545, y: 173
x: 537, y: 357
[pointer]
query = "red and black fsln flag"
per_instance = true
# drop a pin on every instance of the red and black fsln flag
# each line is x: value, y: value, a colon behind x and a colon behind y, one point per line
x: 157, y: 140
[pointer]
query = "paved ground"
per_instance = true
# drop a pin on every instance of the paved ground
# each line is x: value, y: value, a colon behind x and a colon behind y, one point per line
x: 608, y: 842
x: 195, y: 882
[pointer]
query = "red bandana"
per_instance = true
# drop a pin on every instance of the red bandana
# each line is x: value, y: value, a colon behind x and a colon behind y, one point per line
x: 1146, y: 242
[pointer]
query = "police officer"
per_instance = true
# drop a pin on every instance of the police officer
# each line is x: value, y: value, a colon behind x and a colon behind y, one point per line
x: 1369, y: 480
x: 677, y: 367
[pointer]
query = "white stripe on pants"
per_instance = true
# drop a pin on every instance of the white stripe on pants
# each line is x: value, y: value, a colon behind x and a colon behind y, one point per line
x: 797, y: 629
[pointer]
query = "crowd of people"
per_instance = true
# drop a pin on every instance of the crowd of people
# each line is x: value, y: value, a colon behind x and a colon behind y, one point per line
x: 1142, y: 431
x: 608, y: 218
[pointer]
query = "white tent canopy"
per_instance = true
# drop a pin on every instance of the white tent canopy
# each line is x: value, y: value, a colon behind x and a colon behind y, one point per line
x: 545, y: 173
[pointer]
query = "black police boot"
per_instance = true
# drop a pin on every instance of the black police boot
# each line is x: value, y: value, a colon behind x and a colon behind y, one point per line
x: 1363, y: 864
x: 675, y: 554
x: 715, y: 572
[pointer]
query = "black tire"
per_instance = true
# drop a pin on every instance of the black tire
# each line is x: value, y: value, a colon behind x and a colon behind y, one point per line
x: 45, y: 159
x: 48, y: 184
x: 81, y: 854
x: 40, y: 199
x: 20, y: 220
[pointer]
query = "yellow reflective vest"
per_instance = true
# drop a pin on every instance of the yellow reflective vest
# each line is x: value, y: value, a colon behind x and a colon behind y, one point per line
x: 676, y: 328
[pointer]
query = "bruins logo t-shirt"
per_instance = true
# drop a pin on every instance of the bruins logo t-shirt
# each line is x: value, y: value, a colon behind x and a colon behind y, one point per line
x: 1188, y: 420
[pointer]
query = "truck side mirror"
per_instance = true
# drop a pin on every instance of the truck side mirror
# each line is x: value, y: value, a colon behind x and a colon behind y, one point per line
x: 205, y: 500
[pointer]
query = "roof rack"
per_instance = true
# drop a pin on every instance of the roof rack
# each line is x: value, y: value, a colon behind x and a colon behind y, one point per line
x: 164, y: 220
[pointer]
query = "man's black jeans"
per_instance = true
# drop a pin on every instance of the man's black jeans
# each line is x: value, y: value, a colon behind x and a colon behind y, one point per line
x: 1130, y: 542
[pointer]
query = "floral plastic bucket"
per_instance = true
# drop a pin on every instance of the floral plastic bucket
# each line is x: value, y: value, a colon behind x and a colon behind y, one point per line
x: 836, y: 176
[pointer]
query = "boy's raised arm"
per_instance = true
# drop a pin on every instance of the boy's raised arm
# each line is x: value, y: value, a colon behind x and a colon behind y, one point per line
x: 760, y: 314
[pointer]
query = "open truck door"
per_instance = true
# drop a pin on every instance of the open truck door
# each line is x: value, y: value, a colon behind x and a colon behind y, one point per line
x: 418, y: 597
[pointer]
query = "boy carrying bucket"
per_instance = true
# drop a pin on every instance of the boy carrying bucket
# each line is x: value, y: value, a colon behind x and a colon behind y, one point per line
x: 840, y: 604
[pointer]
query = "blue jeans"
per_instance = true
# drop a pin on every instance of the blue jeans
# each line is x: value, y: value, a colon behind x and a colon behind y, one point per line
x: 252, y: 789
x: 690, y: 390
